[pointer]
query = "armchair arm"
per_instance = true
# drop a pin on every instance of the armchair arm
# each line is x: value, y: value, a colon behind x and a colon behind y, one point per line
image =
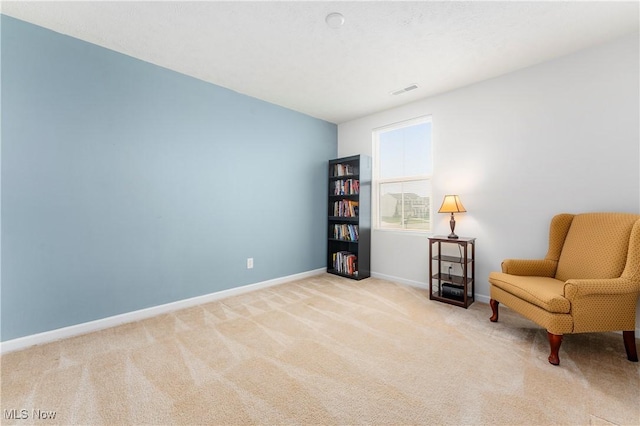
x: 537, y: 267
x: 605, y: 286
x: 606, y: 304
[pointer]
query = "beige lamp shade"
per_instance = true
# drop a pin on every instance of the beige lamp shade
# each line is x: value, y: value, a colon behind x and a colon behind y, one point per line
x: 451, y: 204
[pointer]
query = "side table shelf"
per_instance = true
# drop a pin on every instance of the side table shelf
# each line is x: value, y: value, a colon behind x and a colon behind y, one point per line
x: 452, y: 270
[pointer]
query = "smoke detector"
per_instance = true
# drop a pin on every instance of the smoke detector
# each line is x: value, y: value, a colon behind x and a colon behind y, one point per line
x: 334, y: 20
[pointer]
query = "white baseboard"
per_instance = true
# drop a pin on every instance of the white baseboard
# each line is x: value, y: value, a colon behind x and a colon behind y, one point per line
x: 479, y: 297
x: 482, y: 298
x: 101, y: 324
x: 400, y: 280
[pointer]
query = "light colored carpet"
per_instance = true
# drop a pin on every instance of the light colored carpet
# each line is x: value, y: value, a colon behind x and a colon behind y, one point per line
x: 324, y: 350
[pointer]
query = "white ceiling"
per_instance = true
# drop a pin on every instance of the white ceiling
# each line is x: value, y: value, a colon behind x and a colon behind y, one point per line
x: 285, y: 53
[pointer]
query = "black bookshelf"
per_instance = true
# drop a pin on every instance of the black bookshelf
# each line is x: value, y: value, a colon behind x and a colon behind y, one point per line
x: 349, y: 217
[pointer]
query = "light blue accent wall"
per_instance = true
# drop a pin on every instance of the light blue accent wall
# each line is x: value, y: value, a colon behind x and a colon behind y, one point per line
x: 126, y: 185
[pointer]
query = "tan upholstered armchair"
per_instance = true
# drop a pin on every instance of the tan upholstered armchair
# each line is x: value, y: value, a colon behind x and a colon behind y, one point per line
x: 588, y: 282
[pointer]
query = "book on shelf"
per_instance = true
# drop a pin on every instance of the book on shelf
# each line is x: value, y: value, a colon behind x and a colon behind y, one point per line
x: 346, y: 187
x: 345, y: 208
x: 345, y: 262
x: 346, y: 232
x: 344, y: 170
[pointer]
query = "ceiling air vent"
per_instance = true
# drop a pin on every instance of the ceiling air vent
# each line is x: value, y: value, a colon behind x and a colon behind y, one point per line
x: 406, y: 89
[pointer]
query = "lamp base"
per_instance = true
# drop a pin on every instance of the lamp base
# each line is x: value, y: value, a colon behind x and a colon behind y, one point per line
x: 452, y: 224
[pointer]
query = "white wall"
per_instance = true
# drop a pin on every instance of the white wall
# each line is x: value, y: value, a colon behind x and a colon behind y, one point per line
x: 562, y: 136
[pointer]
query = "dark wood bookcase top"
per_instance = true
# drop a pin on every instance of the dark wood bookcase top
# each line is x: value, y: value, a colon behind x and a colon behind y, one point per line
x: 349, y: 217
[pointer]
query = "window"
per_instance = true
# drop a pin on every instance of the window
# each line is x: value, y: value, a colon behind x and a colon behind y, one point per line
x: 402, y: 176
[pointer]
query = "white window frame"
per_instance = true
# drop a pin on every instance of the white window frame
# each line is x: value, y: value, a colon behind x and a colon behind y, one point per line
x: 378, y: 182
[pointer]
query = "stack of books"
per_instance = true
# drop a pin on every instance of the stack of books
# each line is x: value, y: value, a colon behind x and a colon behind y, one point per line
x: 345, y: 208
x: 345, y: 263
x: 344, y: 170
x: 346, y: 187
x: 345, y: 232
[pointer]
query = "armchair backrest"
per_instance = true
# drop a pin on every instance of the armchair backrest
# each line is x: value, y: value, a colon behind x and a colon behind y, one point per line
x: 596, y: 246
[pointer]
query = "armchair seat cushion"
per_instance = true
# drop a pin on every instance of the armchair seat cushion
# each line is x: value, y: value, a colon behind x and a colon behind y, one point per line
x: 544, y: 292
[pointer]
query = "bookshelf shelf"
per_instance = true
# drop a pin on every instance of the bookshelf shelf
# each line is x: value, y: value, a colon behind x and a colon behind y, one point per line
x: 349, y: 217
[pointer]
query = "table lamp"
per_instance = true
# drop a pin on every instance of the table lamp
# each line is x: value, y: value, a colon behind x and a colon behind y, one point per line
x: 451, y: 204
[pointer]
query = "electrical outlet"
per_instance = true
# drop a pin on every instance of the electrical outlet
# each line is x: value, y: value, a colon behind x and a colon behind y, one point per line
x: 250, y: 263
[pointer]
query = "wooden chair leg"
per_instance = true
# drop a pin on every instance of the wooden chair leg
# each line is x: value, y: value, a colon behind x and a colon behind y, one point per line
x: 494, y: 307
x: 554, y: 342
x: 629, y: 338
